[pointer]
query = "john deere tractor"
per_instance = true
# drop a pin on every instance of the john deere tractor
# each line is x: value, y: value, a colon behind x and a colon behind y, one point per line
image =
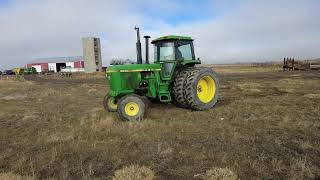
x: 172, y: 77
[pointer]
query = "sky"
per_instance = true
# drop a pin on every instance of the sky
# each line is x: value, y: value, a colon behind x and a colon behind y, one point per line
x: 225, y: 31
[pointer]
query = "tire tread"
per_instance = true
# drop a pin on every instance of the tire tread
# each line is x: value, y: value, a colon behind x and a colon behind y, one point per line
x: 179, y: 85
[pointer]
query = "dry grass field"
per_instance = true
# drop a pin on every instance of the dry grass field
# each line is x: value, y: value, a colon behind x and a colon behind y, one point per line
x: 265, y: 126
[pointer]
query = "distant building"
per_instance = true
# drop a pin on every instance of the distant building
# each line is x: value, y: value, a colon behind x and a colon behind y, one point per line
x: 92, y: 54
x: 56, y: 64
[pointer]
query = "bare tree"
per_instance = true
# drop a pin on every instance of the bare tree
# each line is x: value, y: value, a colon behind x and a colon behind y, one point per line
x: 121, y: 61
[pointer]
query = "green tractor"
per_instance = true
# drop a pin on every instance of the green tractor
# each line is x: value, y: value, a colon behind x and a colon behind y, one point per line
x: 30, y: 70
x: 172, y: 77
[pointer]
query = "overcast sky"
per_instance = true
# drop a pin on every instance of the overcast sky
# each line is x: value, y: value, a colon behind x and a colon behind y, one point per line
x: 224, y: 30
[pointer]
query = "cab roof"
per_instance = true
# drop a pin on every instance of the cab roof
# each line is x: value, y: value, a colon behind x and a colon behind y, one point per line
x: 172, y: 37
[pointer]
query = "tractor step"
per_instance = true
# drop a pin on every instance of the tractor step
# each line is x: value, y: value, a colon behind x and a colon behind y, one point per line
x: 165, y: 97
x: 164, y: 94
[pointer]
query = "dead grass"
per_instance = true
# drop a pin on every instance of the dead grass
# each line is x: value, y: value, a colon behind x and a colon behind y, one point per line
x: 265, y: 125
x: 239, y: 69
x: 301, y: 169
x: 134, y: 172
x: 220, y: 174
x: 250, y: 87
x: 10, y: 97
x: 312, y: 96
x: 11, y: 78
x: 14, y: 81
x: 88, y: 75
x: 11, y: 176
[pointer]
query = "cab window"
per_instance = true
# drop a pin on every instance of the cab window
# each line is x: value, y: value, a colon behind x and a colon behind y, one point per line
x: 166, y: 51
x: 184, y: 51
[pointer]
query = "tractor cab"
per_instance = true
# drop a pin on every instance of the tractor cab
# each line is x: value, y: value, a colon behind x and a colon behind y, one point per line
x: 173, y: 48
x: 173, y: 51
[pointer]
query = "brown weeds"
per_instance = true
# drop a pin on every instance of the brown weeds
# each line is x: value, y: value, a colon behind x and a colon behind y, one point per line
x: 134, y: 172
x: 265, y: 125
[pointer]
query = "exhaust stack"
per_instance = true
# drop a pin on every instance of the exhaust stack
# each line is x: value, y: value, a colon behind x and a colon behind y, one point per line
x: 147, y: 48
x: 138, y: 44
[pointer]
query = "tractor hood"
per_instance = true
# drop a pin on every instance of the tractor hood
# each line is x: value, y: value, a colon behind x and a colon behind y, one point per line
x: 134, y: 68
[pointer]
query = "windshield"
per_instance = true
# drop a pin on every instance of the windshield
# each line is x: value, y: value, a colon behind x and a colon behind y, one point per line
x: 167, y: 51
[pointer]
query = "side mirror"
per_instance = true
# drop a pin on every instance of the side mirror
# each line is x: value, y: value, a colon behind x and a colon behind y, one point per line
x: 198, y: 59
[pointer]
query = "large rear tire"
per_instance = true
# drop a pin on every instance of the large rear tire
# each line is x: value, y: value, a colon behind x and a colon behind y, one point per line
x: 202, y: 89
x: 110, y: 104
x: 179, y: 86
x: 131, y: 107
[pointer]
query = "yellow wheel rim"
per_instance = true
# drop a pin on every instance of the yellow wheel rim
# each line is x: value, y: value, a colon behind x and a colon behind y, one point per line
x: 132, y: 109
x: 112, y: 103
x: 206, y: 89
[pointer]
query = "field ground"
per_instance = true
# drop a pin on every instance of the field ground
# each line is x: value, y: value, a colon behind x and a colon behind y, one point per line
x: 265, y: 126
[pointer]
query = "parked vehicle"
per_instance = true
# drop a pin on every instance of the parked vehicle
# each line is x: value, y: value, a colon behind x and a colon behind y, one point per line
x: 18, y: 71
x: 8, y: 72
x: 30, y: 70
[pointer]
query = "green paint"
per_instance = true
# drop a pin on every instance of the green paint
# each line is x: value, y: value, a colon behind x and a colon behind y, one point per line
x: 30, y: 70
x: 135, y: 67
x: 172, y: 38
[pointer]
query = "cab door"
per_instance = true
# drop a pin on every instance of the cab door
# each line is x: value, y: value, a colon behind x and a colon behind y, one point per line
x: 167, y: 70
x: 166, y: 56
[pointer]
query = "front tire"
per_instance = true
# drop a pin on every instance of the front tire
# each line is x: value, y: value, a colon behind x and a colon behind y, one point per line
x: 110, y: 104
x: 131, y: 108
x: 202, y: 89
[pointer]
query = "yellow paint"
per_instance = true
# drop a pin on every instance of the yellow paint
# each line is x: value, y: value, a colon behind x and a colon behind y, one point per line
x: 18, y: 71
x: 131, y: 109
x: 206, y: 89
x: 112, y: 103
